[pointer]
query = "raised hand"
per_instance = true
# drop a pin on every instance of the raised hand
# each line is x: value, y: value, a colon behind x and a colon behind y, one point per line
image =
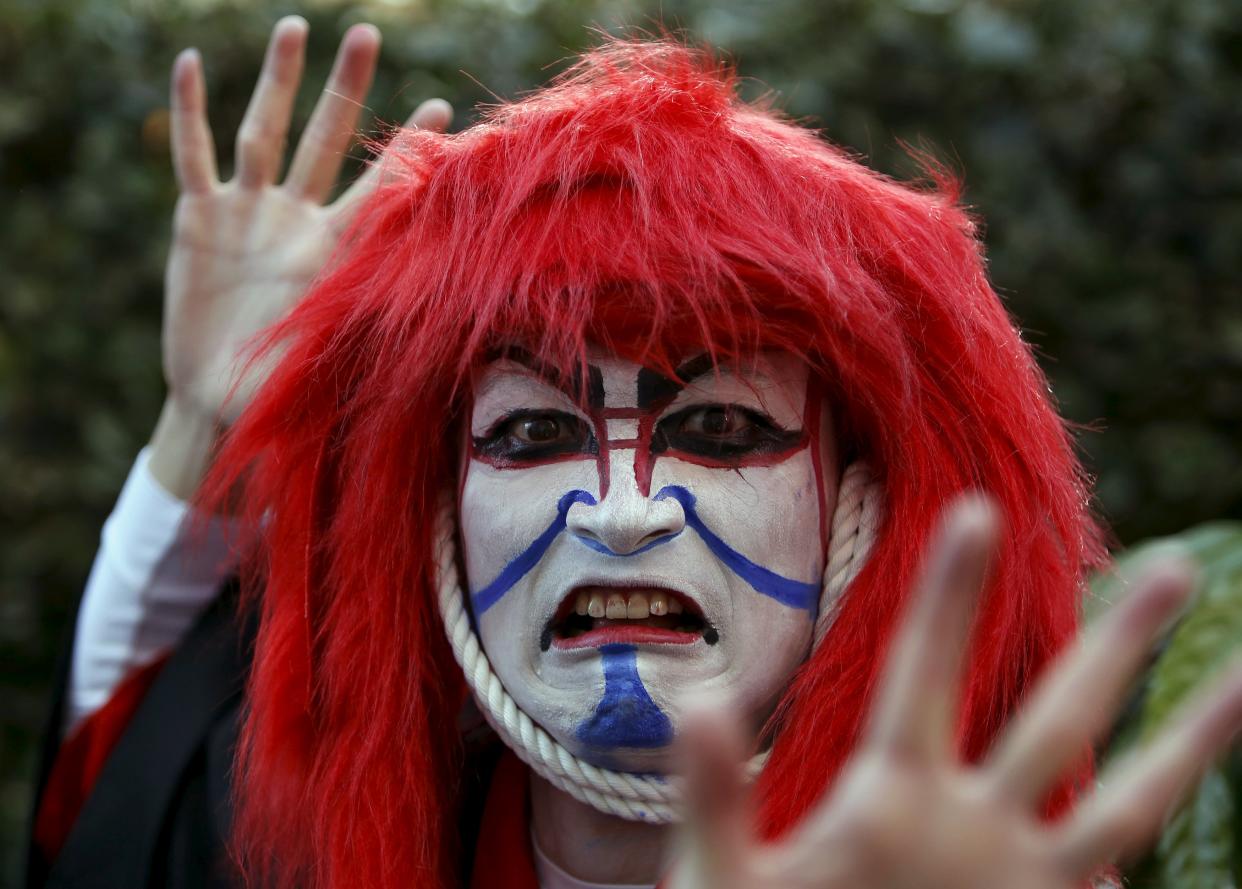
x: 907, y: 814
x: 245, y: 250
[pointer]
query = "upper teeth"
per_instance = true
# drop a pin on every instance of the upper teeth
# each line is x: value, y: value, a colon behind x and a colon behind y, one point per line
x: 623, y: 605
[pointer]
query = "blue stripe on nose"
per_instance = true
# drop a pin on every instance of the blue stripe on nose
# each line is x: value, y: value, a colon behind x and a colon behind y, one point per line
x: 601, y: 547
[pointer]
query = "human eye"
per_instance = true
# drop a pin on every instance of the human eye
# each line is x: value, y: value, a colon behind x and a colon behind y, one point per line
x: 526, y: 436
x: 721, y: 431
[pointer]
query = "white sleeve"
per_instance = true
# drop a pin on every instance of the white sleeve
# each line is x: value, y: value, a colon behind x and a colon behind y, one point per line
x: 156, y: 569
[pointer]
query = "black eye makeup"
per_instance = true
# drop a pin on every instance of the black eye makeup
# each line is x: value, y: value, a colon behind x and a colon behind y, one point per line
x: 531, y: 436
x: 725, y: 432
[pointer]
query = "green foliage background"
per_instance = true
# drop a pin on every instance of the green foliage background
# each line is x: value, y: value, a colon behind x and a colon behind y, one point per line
x: 1201, y: 847
x: 1099, y: 141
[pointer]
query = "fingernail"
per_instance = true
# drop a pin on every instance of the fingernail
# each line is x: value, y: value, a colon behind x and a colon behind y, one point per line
x: 977, y: 511
x: 434, y: 115
x: 367, y: 28
x: 294, y: 21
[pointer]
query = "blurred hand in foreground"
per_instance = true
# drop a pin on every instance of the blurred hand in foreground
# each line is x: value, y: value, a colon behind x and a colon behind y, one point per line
x: 906, y: 813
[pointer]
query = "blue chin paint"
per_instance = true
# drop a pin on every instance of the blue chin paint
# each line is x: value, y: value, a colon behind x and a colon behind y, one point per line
x: 787, y: 591
x: 625, y: 716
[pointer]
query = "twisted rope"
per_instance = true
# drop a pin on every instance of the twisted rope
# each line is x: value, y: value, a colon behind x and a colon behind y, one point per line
x: 650, y: 798
x: 854, y: 524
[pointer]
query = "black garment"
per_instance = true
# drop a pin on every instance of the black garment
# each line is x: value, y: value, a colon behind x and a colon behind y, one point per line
x: 159, y: 812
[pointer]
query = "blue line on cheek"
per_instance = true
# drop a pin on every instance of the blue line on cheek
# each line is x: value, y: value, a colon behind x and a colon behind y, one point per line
x: 528, y: 558
x: 625, y: 716
x: 794, y: 593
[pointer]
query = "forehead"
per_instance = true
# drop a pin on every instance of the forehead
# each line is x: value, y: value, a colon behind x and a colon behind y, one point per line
x: 623, y: 383
x: 773, y: 379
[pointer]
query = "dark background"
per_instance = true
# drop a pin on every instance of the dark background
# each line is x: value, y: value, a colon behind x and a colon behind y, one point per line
x: 1101, y: 142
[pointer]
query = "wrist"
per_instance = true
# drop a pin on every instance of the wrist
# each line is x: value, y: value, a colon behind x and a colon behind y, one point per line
x: 181, y: 447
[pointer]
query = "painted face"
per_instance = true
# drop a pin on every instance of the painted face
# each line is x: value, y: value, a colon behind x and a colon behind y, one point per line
x: 666, y: 539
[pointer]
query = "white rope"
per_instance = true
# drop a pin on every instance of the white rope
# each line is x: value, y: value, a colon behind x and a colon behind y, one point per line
x: 854, y: 524
x: 650, y: 798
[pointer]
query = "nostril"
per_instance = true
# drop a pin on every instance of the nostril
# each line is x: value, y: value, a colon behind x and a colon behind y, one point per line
x: 618, y: 546
x: 624, y: 526
x: 656, y: 537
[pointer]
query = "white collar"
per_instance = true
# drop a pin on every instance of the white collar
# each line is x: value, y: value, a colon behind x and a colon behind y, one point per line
x: 552, y: 877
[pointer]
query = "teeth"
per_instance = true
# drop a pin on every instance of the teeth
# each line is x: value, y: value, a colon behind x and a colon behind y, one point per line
x: 616, y: 609
x: 625, y: 605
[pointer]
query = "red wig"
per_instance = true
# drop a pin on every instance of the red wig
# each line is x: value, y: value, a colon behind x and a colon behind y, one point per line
x: 635, y: 202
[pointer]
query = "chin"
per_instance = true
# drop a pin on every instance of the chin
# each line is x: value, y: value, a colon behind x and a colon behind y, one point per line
x: 625, y: 716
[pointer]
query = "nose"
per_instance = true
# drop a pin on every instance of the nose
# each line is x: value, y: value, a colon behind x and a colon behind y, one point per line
x: 625, y: 522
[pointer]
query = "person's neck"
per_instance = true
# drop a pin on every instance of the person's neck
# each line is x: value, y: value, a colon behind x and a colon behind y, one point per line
x: 592, y: 846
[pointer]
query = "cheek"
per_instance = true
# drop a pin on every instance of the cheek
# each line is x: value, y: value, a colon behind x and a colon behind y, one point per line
x: 504, y: 510
x: 770, y: 514
x: 503, y: 513
x: 766, y: 644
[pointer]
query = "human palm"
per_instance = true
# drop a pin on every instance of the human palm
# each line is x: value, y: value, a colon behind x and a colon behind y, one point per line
x: 240, y: 258
x: 244, y: 251
x: 906, y: 813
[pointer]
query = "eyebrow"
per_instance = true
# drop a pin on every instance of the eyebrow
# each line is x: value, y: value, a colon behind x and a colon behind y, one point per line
x: 654, y: 388
x: 572, y: 385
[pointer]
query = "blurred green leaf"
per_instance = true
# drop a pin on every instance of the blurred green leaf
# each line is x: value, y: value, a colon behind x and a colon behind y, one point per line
x: 1199, y: 845
x: 1196, y: 848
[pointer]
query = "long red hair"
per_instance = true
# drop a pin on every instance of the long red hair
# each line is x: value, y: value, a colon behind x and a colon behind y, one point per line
x: 636, y: 201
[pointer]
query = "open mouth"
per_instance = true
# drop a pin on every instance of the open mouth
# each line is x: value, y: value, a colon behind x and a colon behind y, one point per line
x: 591, y: 616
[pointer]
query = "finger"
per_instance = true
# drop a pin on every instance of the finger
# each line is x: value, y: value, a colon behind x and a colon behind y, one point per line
x: 321, y: 150
x: 714, y: 836
x: 261, y: 138
x: 917, y: 698
x: 1127, y: 814
x: 434, y: 115
x: 193, y: 151
x: 1078, y: 700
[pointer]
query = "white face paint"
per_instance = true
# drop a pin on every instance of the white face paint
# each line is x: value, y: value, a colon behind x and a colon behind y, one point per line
x: 668, y: 539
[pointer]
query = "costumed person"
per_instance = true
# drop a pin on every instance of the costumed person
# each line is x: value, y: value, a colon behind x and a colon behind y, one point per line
x: 632, y: 395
